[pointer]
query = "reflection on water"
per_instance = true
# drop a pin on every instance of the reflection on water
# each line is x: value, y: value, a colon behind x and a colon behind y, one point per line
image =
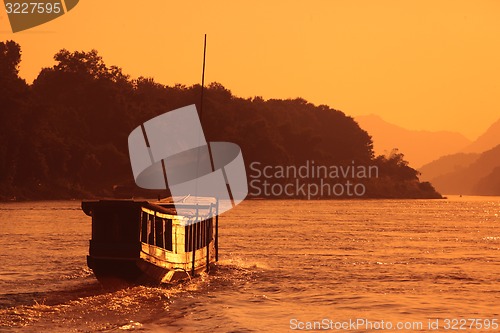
x: 280, y: 260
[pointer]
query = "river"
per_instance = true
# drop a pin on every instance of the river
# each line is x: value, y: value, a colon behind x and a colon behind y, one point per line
x: 376, y: 265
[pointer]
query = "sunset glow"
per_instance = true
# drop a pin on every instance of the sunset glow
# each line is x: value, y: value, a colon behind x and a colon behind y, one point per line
x: 418, y: 64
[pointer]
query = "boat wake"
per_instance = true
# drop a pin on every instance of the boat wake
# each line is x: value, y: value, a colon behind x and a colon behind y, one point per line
x: 87, y: 306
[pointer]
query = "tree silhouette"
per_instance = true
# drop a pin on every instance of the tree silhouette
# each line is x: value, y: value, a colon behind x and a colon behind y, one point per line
x: 66, y: 134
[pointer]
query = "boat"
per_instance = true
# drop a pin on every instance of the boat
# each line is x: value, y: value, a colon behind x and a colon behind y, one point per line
x: 154, y: 242
x: 138, y: 242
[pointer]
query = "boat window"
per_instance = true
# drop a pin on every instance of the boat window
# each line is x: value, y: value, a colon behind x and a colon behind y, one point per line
x: 210, y: 229
x: 156, y: 231
x: 144, y: 227
x: 198, y: 235
x: 168, y: 234
x: 159, y: 231
x: 188, y: 241
x: 201, y: 239
x: 151, y: 230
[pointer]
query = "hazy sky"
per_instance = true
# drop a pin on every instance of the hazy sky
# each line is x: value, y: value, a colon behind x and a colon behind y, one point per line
x: 431, y: 65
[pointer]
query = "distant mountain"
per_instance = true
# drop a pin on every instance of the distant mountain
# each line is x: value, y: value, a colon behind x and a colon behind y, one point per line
x: 488, y: 140
x: 447, y: 164
x: 419, y: 147
x: 490, y: 185
x: 472, y: 174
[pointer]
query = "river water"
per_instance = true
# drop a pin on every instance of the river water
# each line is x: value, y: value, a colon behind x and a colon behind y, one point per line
x: 386, y: 265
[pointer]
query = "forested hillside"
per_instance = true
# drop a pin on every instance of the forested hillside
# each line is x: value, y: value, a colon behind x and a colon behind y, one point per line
x: 65, y: 135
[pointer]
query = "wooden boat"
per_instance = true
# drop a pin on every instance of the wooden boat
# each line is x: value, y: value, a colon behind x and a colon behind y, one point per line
x: 144, y: 242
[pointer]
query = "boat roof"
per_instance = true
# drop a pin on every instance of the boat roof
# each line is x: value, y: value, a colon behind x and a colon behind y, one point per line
x: 188, y: 200
x: 189, y: 206
x: 186, y: 206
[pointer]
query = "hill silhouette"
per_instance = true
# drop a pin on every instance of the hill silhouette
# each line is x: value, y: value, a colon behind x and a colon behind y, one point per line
x: 447, y: 164
x: 471, y: 171
x: 489, y: 185
x: 420, y: 147
x: 65, y: 136
x: 472, y: 174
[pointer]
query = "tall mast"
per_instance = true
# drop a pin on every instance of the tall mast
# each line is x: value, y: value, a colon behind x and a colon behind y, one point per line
x: 203, y: 76
x: 216, y: 245
x: 202, y: 90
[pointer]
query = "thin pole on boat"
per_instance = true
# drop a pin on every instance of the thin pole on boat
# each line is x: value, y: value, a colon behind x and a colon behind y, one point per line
x: 211, y: 159
x: 208, y: 225
x: 194, y: 234
x: 217, y: 231
x: 203, y: 74
x: 202, y: 91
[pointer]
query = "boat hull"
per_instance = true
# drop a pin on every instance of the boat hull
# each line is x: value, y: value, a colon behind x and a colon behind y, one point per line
x: 130, y: 272
x: 137, y: 243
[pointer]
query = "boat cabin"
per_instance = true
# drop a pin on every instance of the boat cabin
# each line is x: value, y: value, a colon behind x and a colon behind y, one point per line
x: 144, y: 242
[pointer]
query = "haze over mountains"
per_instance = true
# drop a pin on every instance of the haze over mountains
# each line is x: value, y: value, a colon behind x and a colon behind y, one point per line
x: 447, y: 164
x: 472, y: 174
x: 452, y: 163
x: 486, y: 141
x: 473, y: 171
x: 419, y: 147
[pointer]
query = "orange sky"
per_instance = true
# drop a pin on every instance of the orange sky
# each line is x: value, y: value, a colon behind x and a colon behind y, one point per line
x: 431, y: 65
